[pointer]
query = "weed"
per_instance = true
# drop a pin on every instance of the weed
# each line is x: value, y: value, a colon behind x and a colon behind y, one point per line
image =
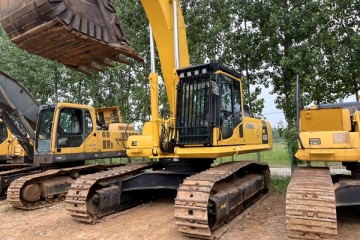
x: 279, y: 184
x: 6, y: 208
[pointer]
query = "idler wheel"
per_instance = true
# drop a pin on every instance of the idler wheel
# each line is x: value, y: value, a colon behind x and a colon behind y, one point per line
x: 31, y: 193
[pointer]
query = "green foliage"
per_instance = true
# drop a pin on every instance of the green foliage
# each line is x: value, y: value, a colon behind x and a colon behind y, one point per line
x: 276, y: 136
x: 279, y: 184
x: 278, y: 157
x: 291, y: 136
x: 343, y: 46
x: 214, y: 33
x: 6, y: 208
x: 40, y: 75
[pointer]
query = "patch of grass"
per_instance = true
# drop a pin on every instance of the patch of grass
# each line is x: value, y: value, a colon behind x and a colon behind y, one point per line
x: 6, y: 208
x: 277, y: 157
x: 279, y: 184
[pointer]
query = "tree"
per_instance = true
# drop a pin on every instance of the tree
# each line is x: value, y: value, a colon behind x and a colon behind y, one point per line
x: 276, y: 136
x: 41, y: 76
x: 343, y: 47
x: 245, y: 53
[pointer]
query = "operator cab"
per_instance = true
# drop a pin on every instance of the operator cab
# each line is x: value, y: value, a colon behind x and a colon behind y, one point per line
x: 209, y: 96
x: 73, y: 125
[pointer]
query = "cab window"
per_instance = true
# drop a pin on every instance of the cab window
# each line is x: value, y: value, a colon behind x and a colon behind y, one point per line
x: 88, y: 123
x: 70, y: 128
x: 3, y: 132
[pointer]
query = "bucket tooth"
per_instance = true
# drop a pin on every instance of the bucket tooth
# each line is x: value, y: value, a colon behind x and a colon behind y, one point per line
x: 96, y: 67
x: 108, y: 62
x: 81, y: 69
x: 120, y: 59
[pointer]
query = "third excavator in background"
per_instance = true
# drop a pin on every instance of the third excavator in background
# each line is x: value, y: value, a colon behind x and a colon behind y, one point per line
x: 327, y: 133
x: 209, y: 119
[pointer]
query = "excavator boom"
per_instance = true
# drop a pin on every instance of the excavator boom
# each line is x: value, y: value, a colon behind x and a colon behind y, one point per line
x: 15, y: 98
x: 81, y: 36
x: 18, y: 101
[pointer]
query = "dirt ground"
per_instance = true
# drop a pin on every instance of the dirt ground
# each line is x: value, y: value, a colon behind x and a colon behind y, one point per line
x: 155, y: 220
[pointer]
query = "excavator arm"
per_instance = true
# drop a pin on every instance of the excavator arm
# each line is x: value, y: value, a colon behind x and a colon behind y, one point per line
x: 16, y: 100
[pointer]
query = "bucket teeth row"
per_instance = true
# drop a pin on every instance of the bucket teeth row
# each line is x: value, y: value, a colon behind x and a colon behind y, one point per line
x: 81, y: 35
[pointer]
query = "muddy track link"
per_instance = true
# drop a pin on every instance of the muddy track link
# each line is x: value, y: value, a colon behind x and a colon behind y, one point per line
x: 14, y: 190
x: 192, y: 201
x: 310, y: 205
x: 80, y: 189
x: 20, y: 170
x: 12, y: 166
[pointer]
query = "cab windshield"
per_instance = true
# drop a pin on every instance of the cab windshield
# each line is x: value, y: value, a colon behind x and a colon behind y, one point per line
x: 43, y: 130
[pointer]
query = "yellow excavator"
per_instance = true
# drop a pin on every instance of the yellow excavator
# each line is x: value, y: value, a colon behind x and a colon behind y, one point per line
x: 209, y: 119
x: 327, y: 133
x: 82, y: 133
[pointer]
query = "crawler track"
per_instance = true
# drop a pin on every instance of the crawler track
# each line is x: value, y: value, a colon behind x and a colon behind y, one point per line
x: 12, y: 166
x: 14, y: 190
x: 8, y: 173
x: 197, y: 196
x: 21, y: 170
x: 79, y: 191
x: 310, y: 205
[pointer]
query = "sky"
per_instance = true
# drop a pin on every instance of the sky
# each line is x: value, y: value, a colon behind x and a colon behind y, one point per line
x: 270, y: 112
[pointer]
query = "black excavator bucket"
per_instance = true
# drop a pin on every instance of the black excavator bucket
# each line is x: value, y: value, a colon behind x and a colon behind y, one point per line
x: 81, y: 34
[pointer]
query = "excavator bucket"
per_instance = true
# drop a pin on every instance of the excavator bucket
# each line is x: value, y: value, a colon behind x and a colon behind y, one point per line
x: 81, y: 34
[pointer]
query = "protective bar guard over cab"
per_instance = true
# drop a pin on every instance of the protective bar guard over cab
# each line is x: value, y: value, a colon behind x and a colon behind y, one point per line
x: 207, y: 100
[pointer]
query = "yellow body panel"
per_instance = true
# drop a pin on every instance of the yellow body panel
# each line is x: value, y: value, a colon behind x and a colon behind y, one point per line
x: 329, y: 155
x: 221, y: 151
x: 331, y: 119
x: 253, y: 130
x: 252, y: 141
x: 18, y: 151
x: 10, y: 148
x: 6, y: 141
x: 330, y: 134
x: 140, y: 146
